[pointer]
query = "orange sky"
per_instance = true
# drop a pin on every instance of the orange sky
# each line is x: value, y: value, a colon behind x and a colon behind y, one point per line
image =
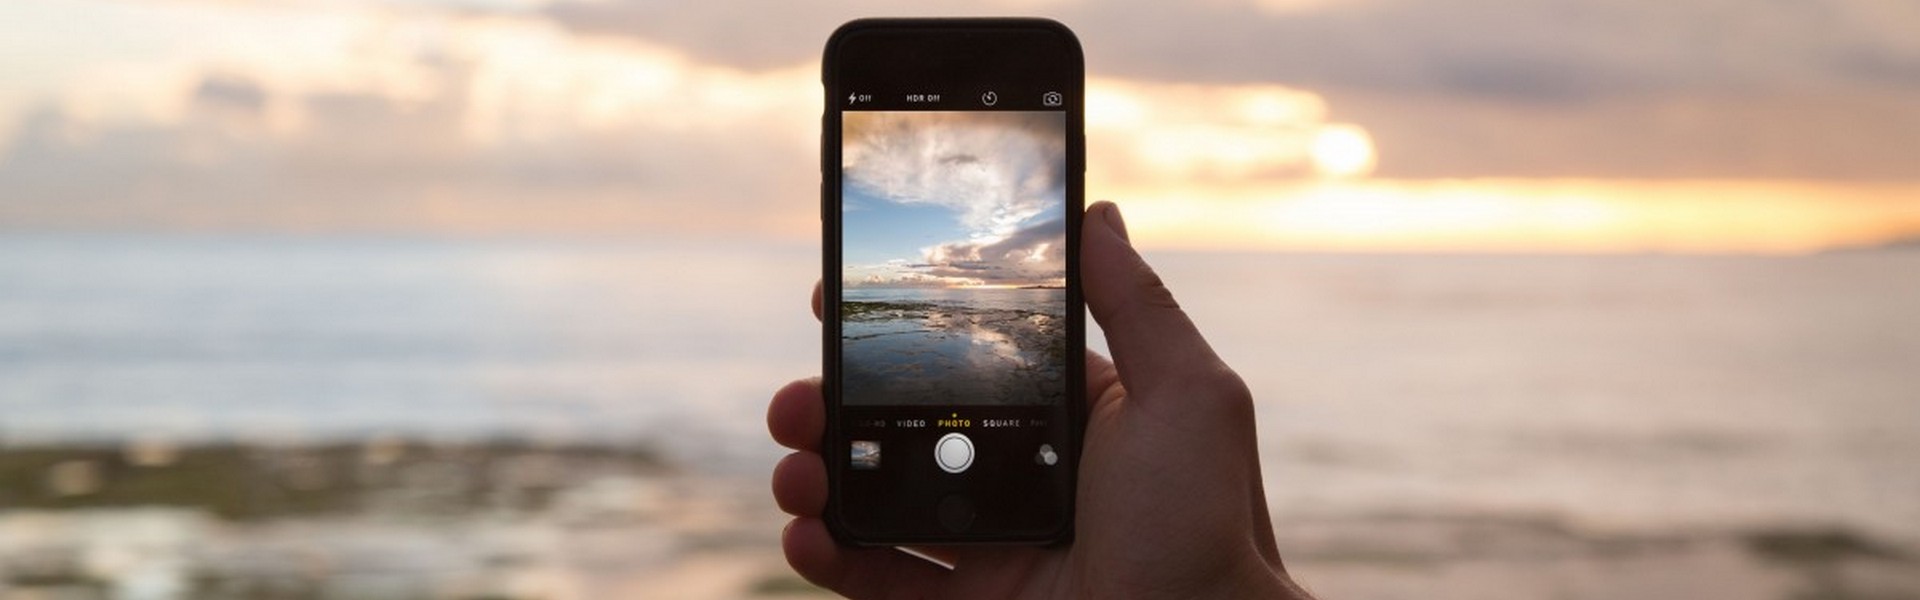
x: 519, y: 118
x: 1557, y: 215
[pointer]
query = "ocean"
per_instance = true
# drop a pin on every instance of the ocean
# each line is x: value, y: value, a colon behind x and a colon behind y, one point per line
x: 1639, y: 392
x: 305, y: 339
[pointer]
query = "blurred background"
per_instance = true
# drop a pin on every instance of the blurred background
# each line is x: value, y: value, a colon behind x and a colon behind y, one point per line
x: 463, y: 299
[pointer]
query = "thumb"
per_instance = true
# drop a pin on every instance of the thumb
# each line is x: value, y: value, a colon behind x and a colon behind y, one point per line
x: 1152, y: 340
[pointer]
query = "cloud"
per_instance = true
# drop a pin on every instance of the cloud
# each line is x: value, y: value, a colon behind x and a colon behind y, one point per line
x: 1001, y: 174
x: 505, y: 127
x: 1035, y: 255
x: 647, y: 118
x: 1032, y: 255
x: 1144, y: 133
x: 365, y: 161
x: 1547, y: 49
x: 997, y: 170
x: 755, y: 35
x: 231, y: 93
x: 907, y: 279
x: 1468, y: 88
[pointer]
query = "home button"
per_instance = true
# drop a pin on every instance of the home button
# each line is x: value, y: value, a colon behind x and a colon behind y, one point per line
x: 955, y: 512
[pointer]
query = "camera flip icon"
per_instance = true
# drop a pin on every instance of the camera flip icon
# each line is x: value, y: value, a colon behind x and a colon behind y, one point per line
x: 1051, y: 99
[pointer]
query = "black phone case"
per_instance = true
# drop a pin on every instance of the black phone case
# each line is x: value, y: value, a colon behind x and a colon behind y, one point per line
x: 830, y: 281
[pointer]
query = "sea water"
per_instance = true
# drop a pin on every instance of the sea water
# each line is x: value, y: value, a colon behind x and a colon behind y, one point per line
x: 1634, y: 391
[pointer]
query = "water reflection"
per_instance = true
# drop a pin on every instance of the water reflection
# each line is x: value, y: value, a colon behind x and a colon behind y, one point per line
x: 954, y: 347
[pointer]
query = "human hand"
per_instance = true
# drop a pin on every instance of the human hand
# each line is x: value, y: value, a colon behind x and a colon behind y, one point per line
x: 1170, y: 497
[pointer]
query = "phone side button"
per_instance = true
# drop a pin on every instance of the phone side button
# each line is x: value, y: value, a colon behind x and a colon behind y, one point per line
x: 955, y: 512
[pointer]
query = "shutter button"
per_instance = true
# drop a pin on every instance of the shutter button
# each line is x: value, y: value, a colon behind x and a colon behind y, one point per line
x: 954, y: 452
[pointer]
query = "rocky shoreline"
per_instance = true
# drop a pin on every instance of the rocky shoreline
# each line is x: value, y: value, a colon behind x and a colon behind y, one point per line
x: 409, y: 520
x: 933, y: 353
x: 1531, y: 556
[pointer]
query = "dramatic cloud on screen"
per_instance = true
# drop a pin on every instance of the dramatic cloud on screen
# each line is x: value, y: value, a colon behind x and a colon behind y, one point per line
x: 1032, y: 256
x: 997, y: 170
x: 999, y: 175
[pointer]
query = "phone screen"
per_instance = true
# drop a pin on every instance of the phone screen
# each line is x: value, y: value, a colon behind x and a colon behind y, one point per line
x: 953, y: 236
x: 955, y: 328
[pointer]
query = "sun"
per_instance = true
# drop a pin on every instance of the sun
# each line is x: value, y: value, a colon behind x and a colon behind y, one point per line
x: 1341, y: 150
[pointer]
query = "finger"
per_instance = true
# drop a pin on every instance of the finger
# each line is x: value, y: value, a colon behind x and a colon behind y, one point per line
x: 1152, y: 340
x: 1102, y: 381
x: 816, y: 299
x: 797, y: 416
x: 800, y: 484
x: 858, y: 572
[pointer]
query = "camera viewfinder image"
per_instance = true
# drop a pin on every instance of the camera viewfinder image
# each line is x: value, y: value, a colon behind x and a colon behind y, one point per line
x: 954, y: 285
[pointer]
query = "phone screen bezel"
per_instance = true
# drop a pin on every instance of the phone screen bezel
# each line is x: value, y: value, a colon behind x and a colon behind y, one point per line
x: 960, y: 55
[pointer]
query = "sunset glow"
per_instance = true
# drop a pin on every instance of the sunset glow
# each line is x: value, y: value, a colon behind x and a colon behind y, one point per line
x: 1342, y: 151
x: 1528, y: 216
x: 503, y: 121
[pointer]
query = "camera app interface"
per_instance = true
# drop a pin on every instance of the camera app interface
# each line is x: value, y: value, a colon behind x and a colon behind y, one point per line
x: 953, y: 288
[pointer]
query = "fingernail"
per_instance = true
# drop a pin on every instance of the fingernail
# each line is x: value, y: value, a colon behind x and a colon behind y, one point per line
x: 1114, y: 222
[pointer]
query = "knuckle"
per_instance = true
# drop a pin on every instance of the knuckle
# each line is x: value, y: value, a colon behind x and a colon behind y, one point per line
x: 1229, y: 391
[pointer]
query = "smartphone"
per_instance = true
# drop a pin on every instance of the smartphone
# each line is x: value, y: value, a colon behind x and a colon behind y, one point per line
x: 951, y: 197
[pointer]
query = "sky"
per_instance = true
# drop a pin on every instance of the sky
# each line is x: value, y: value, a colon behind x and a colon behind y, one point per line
x: 1249, y: 125
x: 953, y: 199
